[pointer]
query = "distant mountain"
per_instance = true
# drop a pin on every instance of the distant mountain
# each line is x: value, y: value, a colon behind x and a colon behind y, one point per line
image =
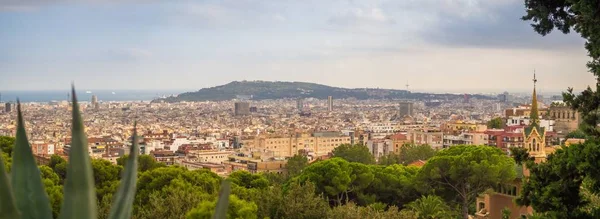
x: 263, y: 90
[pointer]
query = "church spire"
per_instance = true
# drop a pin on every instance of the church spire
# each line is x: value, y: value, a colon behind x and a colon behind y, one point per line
x: 534, y: 117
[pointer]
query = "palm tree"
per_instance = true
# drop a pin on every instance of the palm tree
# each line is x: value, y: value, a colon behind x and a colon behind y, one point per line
x: 430, y: 207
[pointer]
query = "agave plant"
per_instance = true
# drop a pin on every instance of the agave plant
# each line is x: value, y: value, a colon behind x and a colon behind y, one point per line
x: 23, y: 196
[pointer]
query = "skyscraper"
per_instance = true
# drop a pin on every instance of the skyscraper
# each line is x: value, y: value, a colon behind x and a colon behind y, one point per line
x: 7, y: 107
x: 95, y: 103
x: 330, y: 103
x: 300, y: 104
x: 242, y: 108
x: 406, y: 109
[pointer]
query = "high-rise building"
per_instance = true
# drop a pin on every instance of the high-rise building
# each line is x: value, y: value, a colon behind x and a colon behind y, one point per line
x: 330, y: 103
x: 406, y: 109
x: 95, y: 103
x: 242, y: 108
x: 8, y: 107
x: 300, y: 104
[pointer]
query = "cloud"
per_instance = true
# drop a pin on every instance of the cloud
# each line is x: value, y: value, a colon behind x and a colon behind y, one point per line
x: 17, y: 8
x: 361, y: 16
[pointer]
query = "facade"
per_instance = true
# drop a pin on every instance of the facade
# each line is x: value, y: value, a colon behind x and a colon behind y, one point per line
x: 565, y: 119
x: 317, y: 144
x: 398, y: 140
x: 433, y: 138
x: 7, y: 107
x: 465, y: 138
x: 380, y: 147
x: 40, y: 148
x: 242, y: 108
x: 215, y: 157
x: 406, y: 109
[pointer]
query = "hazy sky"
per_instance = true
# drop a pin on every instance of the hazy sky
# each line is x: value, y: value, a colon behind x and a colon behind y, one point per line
x: 434, y: 45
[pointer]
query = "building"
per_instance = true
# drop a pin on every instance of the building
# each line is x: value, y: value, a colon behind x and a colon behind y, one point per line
x: 201, y: 156
x: 406, y: 109
x: 433, y: 138
x: 330, y: 103
x: 242, y: 108
x: 380, y: 147
x: 300, y: 105
x: 398, y: 140
x: 465, y: 138
x: 41, y: 148
x: 490, y: 205
x: 7, y: 107
x: 565, y: 119
x: 94, y: 102
x: 315, y: 144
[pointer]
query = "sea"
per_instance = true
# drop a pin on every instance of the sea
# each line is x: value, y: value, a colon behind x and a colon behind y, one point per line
x: 86, y: 95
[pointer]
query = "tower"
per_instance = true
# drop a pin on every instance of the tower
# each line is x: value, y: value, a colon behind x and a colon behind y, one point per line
x: 534, y: 135
x: 405, y: 109
x: 330, y: 103
x: 299, y: 104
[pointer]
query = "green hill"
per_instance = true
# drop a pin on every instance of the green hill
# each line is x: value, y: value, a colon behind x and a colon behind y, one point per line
x: 263, y: 90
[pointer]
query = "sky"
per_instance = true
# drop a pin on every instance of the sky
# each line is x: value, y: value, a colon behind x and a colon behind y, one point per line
x: 432, y: 45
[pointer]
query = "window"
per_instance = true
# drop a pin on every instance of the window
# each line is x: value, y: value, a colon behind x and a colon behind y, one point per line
x: 481, y: 205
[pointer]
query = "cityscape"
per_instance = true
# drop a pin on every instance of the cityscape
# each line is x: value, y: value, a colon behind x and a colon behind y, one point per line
x: 351, y: 141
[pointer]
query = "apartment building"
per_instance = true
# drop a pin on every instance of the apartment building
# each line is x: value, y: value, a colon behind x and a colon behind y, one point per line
x: 317, y: 144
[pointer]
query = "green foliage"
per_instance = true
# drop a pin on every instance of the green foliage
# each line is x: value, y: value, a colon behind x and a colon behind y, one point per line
x: 577, y: 134
x: 8, y: 208
x: 554, y: 187
x: 354, y: 153
x: 389, y: 159
x: 296, y: 164
x: 31, y: 199
x: 53, y: 187
x: 248, y: 180
x: 352, y: 211
x: 520, y: 155
x: 300, y: 202
x: 331, y: 177
x: 238, y: 209
x: 410, y: 153
x: 6, y: 145
x: 123, y: 200
x: 431, y: 207
x: 495, y: 123
x: 506, y: 213
x: 170, y: 202
x: 582, y: 16
x: 392, y: 185
x: 145, y: 162
x: 460, y: 173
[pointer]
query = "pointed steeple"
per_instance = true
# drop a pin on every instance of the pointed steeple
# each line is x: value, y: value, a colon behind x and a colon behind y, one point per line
x: 533, y: 116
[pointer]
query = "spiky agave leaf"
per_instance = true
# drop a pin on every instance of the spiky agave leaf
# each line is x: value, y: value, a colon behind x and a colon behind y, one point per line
x: 123, y: 201
x: 8, y: 209
x: 26, y: 180
x: 223, y: 202
x: 79, y: 192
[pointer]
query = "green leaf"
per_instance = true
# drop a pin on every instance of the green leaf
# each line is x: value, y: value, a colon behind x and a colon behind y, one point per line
x: 80, y: 194
x: 123, y: 202
x: 223, y: 202
x: 30, y: 196
x: 8, y: 209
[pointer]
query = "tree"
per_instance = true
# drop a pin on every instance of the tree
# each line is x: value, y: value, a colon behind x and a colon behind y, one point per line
x: 583, y: 16
x: 296, y: 164
x: 431, y: 207
x: 106, y: 177
x: 145, y: 162
x: 554, y: 187
x: 411, y: 152
x: 331, y: 177
x: 53, y: 187
x: 6, y: 145
x: 354, y: 153
x: 301, y: 202
x: 520, y: 155
x: 461, y: 173
x: 171, y: 202
x: 352, y: 211
x: 577, y: 134
x: 495, y: 123
x: 237, y: 209
x: 393, y: 185
x: 389, y: 159
x: 506, y: 213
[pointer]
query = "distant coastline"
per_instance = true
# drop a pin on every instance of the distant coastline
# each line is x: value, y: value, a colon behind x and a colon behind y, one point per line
x: 82, y: 94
